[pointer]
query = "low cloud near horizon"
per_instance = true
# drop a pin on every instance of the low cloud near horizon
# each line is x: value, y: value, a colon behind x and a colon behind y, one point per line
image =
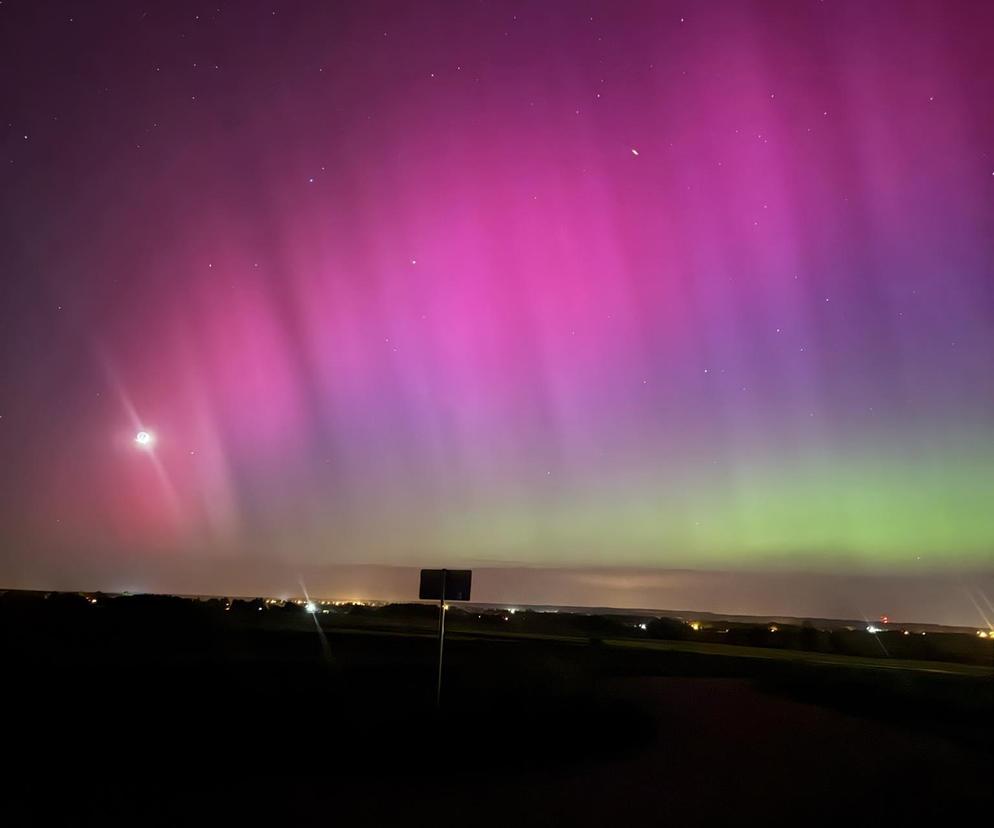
x: 962, y: 599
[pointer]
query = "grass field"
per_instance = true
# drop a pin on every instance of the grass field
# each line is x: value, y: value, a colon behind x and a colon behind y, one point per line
x: 157, y: 713
x: 738, y: 651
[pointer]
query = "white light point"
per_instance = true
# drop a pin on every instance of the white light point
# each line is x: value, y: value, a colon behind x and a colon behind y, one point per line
x: 144, y: 439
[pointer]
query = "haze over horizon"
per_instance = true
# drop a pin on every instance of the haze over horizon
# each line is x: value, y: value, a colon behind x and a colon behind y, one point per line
x: 961, y: 600
x: 678, y: 304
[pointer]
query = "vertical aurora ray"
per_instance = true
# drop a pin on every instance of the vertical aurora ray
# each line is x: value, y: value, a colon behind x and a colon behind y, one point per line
x: 391, y: 284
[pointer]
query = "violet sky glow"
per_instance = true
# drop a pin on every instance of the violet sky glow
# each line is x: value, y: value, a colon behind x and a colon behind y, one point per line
x: 697, y: 286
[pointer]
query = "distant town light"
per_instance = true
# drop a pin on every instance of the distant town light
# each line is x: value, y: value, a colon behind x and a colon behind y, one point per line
x: 695, y: 625
x: 871, y: 629
x: 311, y: 606
x: 983, y: 633
x: 774, y: 628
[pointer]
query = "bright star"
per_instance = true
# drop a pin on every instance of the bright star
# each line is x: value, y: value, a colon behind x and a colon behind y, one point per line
x: 144, y: 439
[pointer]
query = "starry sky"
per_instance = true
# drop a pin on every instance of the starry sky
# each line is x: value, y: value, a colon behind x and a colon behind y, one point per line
x: 696, y: 287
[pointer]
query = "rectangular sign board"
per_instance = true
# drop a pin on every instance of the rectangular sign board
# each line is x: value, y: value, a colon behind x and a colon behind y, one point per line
x: 445, y: 584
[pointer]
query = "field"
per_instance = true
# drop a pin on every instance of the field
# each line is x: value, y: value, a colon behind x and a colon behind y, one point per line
x: 161, y: 710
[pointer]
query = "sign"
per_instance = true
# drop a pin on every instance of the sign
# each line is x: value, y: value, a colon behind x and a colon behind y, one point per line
x: 445, y: 584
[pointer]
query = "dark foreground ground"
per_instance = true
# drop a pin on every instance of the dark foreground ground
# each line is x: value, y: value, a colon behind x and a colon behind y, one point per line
x: 183, y: 716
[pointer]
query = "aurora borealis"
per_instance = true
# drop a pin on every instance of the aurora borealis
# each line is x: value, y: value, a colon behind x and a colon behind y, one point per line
x: 696, y: 286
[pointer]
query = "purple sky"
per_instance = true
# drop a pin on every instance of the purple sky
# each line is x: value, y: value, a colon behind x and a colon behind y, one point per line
x: 645, y: 288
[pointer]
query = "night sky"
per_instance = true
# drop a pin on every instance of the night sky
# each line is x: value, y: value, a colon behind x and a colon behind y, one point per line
x: 660, y: 292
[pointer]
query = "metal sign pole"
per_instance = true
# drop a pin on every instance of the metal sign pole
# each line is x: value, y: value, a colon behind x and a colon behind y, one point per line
x: 436, y: 586
x: 441, y: 641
